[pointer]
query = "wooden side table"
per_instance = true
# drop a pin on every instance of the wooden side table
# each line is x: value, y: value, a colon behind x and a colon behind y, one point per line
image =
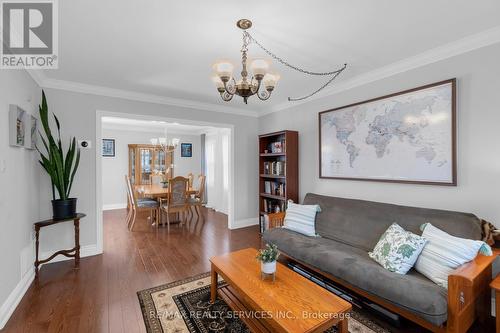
x: 495, y: 285
x: 71, y: 253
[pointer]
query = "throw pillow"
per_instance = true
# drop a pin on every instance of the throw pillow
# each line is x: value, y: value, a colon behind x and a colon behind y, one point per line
x: 397, y: 249
x: 444, y: 253
x: 301, y: 218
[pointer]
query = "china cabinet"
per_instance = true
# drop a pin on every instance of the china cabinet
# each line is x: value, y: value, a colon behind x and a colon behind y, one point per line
x: 144, y: 159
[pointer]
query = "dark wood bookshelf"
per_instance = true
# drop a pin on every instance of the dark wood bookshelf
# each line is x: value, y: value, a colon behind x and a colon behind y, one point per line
x: 271, y: 176
x: 271, y: 196
x: 288, y: 179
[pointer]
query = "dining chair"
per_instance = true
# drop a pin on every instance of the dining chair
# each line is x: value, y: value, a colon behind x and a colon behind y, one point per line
x: 139, y: 204
x: 177, y: 198
x: 199, y: 197
x: 190, y: 178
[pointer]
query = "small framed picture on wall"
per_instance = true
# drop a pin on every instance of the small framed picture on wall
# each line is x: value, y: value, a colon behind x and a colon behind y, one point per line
x: 108, y: 147
x: 186, y: 150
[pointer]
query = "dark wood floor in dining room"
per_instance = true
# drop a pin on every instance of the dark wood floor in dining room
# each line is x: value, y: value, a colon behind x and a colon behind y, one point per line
x: 101, y: 295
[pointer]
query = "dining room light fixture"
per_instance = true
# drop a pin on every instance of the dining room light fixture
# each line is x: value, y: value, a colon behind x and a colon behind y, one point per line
x: 163, y: 143
x: 263, y: 81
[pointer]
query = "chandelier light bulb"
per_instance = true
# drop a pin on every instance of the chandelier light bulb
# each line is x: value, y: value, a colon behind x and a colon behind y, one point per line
x: 270, y: 80
x: 175, y: 142
x: 154, y: 141
x: 218, y: 82
x: 259, y: 68
x: 224, y: 70
x: 162, y: 141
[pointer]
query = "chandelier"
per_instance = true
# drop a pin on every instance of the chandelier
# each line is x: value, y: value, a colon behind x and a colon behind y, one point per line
x: 262, y: 82
x: 163, y: 143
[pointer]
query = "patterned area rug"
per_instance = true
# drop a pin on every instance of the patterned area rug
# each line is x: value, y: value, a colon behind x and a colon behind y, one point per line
x: 183, y: 307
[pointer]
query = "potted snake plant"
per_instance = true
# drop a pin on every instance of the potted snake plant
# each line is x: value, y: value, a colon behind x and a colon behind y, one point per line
x: 59, y: 164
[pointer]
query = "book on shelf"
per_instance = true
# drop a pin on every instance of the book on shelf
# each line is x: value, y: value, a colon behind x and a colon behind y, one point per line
x: 276, y: 168
x: 273, y: 206
x: 274, y: 188
x: 277, y: 147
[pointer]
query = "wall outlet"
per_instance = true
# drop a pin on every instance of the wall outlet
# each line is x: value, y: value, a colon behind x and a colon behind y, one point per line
x: 84, y: 144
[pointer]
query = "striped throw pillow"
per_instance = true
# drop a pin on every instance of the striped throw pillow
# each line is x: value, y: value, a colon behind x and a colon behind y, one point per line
x: 301, y: 218
x: 443, y: 253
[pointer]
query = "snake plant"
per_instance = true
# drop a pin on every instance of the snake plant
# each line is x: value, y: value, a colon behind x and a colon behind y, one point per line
x: 60, y: 167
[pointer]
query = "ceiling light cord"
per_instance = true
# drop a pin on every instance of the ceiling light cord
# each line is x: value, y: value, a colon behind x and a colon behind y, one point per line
x: 334, y: 74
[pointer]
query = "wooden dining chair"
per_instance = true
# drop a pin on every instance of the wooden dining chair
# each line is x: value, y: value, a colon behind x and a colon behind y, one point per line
x: 139, y: 204
x: 177, y: 198
x: 199, y: 197
x: 190, y: 178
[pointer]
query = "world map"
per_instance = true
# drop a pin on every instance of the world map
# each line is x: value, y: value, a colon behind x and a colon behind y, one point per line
x: 405, y: 137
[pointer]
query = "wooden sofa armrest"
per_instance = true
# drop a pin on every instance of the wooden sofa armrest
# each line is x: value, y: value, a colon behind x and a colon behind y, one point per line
x: 469, y: 294
x: 472, y: 270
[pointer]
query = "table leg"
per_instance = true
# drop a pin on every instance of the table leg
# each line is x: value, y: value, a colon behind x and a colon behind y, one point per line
x: 77, y: 243
x: 342, y: 326
x: 37, y: 236
x: 213, y: 285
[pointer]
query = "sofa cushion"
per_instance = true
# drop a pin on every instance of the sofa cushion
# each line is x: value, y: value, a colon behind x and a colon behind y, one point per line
x: 361, y: 223
x: 412, y: 291
x: 444, y: 253
x: 398, y: 249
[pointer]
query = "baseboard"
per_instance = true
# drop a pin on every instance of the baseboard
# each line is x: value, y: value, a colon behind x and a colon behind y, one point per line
x: 15, y: 297
x: 114, y: 206
x: 245, y: 223
x: 17, y: 294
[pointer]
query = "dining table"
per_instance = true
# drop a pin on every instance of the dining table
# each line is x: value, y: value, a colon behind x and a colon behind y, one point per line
x: 157, y: 190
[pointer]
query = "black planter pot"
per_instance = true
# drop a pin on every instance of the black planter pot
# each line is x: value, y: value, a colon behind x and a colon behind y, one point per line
x: 63, y: 209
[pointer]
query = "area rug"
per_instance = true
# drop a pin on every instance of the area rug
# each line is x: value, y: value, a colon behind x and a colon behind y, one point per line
x: 183, y: 307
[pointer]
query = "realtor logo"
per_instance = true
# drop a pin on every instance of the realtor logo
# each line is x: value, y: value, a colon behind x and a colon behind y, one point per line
x: 29, y: 34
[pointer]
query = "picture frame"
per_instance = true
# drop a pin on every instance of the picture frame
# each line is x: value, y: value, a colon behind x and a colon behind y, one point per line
x: 108, y: 147
x: 405, y: 137
x: 186, y: 150
x: 32, y: 140
x: 18, y: 126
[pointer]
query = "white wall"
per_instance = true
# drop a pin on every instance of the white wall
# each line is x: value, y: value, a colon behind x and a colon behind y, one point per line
x: 115, y: 168
x: 77, y: 113
x: 478, y: 190
x: 19, y: 188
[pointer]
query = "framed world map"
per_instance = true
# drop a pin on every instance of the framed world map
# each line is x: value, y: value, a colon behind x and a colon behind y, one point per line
x: 406, y: 137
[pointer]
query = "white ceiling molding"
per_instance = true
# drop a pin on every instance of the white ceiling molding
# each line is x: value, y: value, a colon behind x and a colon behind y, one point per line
x: 37, y: 75
x: 153, y: 131
x: 141, y: 97
x: 464, y: 45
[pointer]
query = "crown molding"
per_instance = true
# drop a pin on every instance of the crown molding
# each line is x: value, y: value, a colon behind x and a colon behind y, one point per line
x: 141, y: 97
x: 149, y: 129
x: 464, y: 45
x: 37, y: 75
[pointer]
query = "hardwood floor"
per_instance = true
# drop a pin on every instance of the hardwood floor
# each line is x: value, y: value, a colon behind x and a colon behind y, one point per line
x: 101, y: 295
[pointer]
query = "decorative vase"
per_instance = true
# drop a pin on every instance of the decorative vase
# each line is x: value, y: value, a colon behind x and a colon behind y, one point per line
x: 63, y: 209
x: 268, y: 267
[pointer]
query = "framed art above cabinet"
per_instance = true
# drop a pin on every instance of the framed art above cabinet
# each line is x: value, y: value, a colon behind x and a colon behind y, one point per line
x: 406, y: 137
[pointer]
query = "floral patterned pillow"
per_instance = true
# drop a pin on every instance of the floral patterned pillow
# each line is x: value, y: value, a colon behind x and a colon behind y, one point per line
x: 397, y: 249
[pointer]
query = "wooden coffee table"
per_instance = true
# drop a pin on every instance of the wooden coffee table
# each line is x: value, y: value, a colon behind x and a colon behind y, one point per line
x: 291, y: 303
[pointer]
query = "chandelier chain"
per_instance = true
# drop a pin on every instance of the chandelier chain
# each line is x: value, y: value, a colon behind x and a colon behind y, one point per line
x: 294, y: 99
x: 284, y: 62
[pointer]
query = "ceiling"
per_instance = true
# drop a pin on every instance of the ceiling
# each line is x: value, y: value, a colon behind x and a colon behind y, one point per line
x: 153, y: 126
x: 167, y: 48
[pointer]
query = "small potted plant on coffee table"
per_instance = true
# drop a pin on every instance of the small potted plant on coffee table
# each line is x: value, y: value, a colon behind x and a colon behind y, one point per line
x: 268, y: 257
